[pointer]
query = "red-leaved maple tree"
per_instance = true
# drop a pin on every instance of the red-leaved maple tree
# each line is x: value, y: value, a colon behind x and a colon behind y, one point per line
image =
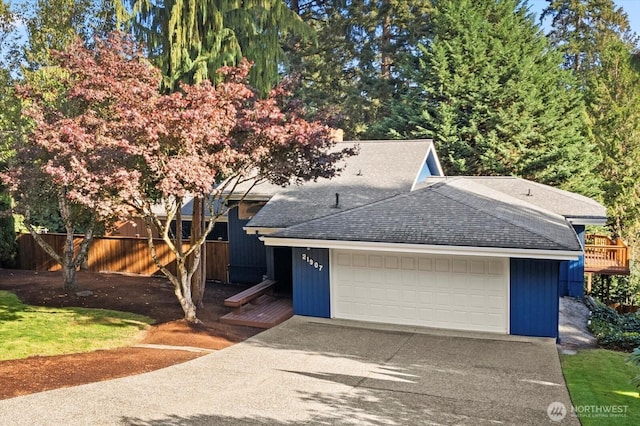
x: 124, y: 148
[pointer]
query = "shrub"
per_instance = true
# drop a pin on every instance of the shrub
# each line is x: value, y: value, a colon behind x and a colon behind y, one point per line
x: 7, y: 235
x: 634, y: 359
x: 624, y: 290
x: 615, y: 331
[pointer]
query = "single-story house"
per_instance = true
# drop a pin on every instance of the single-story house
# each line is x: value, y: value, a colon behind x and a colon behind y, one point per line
x: 392, y: 240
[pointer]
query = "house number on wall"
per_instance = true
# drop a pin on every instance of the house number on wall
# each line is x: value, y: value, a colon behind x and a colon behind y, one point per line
x: 312, y: 262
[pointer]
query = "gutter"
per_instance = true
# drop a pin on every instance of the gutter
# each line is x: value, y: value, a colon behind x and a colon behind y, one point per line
x: 424, y: 249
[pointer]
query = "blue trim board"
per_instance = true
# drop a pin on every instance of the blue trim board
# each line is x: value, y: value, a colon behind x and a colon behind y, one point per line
x: 534, y: 302
x: 572, y: 271
x: 311, y: 289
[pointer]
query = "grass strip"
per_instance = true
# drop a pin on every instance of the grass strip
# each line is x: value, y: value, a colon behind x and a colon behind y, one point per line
x: 599, y: 382
x: 27, y: 331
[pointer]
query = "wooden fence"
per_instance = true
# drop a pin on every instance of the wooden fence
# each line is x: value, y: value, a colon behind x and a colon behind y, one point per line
x: 119, y: 254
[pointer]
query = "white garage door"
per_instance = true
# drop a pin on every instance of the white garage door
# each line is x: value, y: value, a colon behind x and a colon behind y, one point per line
x: 454, y: 292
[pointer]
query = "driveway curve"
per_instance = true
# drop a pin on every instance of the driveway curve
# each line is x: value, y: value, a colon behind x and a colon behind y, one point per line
x: 313, y: 371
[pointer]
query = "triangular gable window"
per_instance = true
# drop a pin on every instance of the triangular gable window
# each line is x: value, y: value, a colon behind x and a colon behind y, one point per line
x: 429, y: 168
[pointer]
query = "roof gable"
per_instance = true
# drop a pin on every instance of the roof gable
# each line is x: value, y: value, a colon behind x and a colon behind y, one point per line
x: 380, y: 169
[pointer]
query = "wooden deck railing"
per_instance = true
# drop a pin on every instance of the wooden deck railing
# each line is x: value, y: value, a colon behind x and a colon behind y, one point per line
x: 606, y: 256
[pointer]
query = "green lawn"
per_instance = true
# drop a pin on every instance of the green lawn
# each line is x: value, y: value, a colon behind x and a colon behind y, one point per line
x: 30, y: 330
x: 600, y: 388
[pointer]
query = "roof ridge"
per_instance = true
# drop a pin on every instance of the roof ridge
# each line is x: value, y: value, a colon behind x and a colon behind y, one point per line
x: 572, y: 195
x: 531, y: 229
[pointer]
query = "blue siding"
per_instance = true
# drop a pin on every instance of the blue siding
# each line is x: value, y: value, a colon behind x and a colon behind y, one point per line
x: 432, y: 164
x: 572, y: 271
x: 311, y: 292
x: 534, y: 301
x: 247, y: 254
x: 429, y: 168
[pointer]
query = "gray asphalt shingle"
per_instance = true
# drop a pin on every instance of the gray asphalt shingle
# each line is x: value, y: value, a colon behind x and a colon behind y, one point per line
x: 450, y: 213
x: 380, y: 170
x: 565, y: 203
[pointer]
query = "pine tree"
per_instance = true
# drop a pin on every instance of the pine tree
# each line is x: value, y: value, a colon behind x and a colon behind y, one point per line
x: 190, y: 40
x: 600, y: 48
x: 350, y: 76
x: 581, y: 27
x: 491, y: 93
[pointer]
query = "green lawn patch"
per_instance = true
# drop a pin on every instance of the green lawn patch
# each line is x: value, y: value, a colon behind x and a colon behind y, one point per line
x: 599, y: 382
x: 32, y: 330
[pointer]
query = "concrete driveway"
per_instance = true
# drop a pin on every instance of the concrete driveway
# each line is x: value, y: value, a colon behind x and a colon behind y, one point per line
x: 326, y: 372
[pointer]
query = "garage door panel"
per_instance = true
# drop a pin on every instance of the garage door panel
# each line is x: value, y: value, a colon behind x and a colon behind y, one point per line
x: 359, y: 260
x: 410, y: 278
x: 459, y: 266
x: 497, y: 268
x: 434, y: 291
x: 442, y: 265
x: 408, y: 263
x: 344, y: 274
x: 477, y: 267
x: 425, y: 264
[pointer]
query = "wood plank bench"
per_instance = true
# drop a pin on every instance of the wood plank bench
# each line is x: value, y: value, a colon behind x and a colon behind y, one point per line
x: 249, y: 294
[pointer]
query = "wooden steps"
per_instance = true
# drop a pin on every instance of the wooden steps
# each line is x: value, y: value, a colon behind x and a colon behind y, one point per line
x: 266, y: 313
x: 244, y: 297
x: 256, y: 307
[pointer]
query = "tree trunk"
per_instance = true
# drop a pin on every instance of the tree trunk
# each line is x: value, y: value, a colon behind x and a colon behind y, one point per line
x: 295, y: 6
x: 198, y: 280
x: 181, y: 280
x: 183, y: 292
x: 69, y: 276
x: 385, y: 45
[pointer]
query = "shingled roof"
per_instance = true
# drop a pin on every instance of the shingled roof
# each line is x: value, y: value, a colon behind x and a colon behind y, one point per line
x: 453, y: 212
x: 575, y: 207
x: 380, y: 170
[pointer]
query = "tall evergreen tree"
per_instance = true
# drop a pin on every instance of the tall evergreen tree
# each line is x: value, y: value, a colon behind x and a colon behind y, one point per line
x: 580, y: 28
x: 491, y: 93
x: 600, y: 48
x: 351, y: 75
x: 189, y: 41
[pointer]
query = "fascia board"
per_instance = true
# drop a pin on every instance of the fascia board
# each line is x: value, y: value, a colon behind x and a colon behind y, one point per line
x: 424, y: 249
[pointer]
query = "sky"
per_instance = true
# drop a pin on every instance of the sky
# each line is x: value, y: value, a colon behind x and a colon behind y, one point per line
x: 631, y: 7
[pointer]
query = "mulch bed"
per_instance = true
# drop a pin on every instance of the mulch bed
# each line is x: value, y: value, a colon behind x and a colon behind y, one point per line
x: 151, y: 296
